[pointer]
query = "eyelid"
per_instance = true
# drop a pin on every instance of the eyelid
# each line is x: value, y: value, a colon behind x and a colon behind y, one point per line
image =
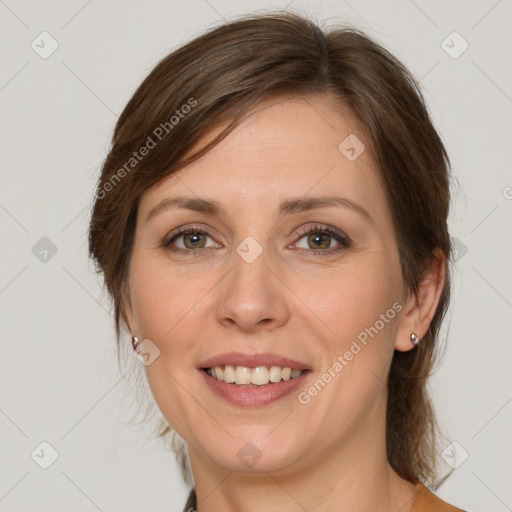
x: 187, y: 228
x: 343, y: 242
x: 325, y: 228
x: 342, y: 239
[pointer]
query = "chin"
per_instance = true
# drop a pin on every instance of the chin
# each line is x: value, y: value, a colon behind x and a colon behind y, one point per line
x: 257, y: 450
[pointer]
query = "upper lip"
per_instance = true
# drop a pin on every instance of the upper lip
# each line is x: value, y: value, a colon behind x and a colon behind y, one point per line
x: 252, y: 360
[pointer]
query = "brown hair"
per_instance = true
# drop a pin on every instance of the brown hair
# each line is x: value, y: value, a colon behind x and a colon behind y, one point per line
x: 225, y: 74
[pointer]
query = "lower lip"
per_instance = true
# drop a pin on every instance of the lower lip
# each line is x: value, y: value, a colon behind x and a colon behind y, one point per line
x: 253, y: 396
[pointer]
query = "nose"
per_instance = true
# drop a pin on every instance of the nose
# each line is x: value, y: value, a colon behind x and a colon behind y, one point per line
x: 252, y: 296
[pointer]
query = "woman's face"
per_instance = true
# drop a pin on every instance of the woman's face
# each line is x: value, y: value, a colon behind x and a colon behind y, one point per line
x: 275, y: 249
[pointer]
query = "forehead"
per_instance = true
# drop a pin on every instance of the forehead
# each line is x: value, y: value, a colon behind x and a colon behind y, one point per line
x: 287, y: 147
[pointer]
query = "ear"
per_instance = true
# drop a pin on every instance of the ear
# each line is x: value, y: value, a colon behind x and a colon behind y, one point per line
x: 420, y: 307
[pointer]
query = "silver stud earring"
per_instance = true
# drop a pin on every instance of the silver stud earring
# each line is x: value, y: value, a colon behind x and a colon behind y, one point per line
x: 135, y: 342
x: 414, y: 339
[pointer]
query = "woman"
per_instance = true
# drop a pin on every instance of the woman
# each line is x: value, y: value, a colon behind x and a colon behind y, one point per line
x: 271, y: 225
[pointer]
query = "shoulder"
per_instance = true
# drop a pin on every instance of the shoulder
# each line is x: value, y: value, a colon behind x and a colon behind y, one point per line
x: 427, y: 501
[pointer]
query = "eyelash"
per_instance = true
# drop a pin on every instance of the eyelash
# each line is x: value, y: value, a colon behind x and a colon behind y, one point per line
x: 343, y: 240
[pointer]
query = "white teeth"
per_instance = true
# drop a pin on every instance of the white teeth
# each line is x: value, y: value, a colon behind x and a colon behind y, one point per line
x: 259, y: 376
x: 275, y: 373
x: 243, y: 375
x: 229, y: 374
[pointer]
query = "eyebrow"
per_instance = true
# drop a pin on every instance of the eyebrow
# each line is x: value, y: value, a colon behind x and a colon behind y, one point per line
x: 287, y: 207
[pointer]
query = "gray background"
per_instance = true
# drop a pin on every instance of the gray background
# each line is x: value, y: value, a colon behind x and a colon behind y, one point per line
x: 59, y: 379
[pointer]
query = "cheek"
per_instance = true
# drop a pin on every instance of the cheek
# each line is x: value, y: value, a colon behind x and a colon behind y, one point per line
x: 353, y: 315
x: 165, y: 300
x: 350, y: 300
x: 169, y: 310
x: 354, y: 324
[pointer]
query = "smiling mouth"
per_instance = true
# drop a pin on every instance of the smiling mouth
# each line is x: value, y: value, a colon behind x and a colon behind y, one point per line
x: 253, y: 377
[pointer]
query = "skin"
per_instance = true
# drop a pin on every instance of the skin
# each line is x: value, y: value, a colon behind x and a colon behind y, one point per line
x: 328, y: 454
